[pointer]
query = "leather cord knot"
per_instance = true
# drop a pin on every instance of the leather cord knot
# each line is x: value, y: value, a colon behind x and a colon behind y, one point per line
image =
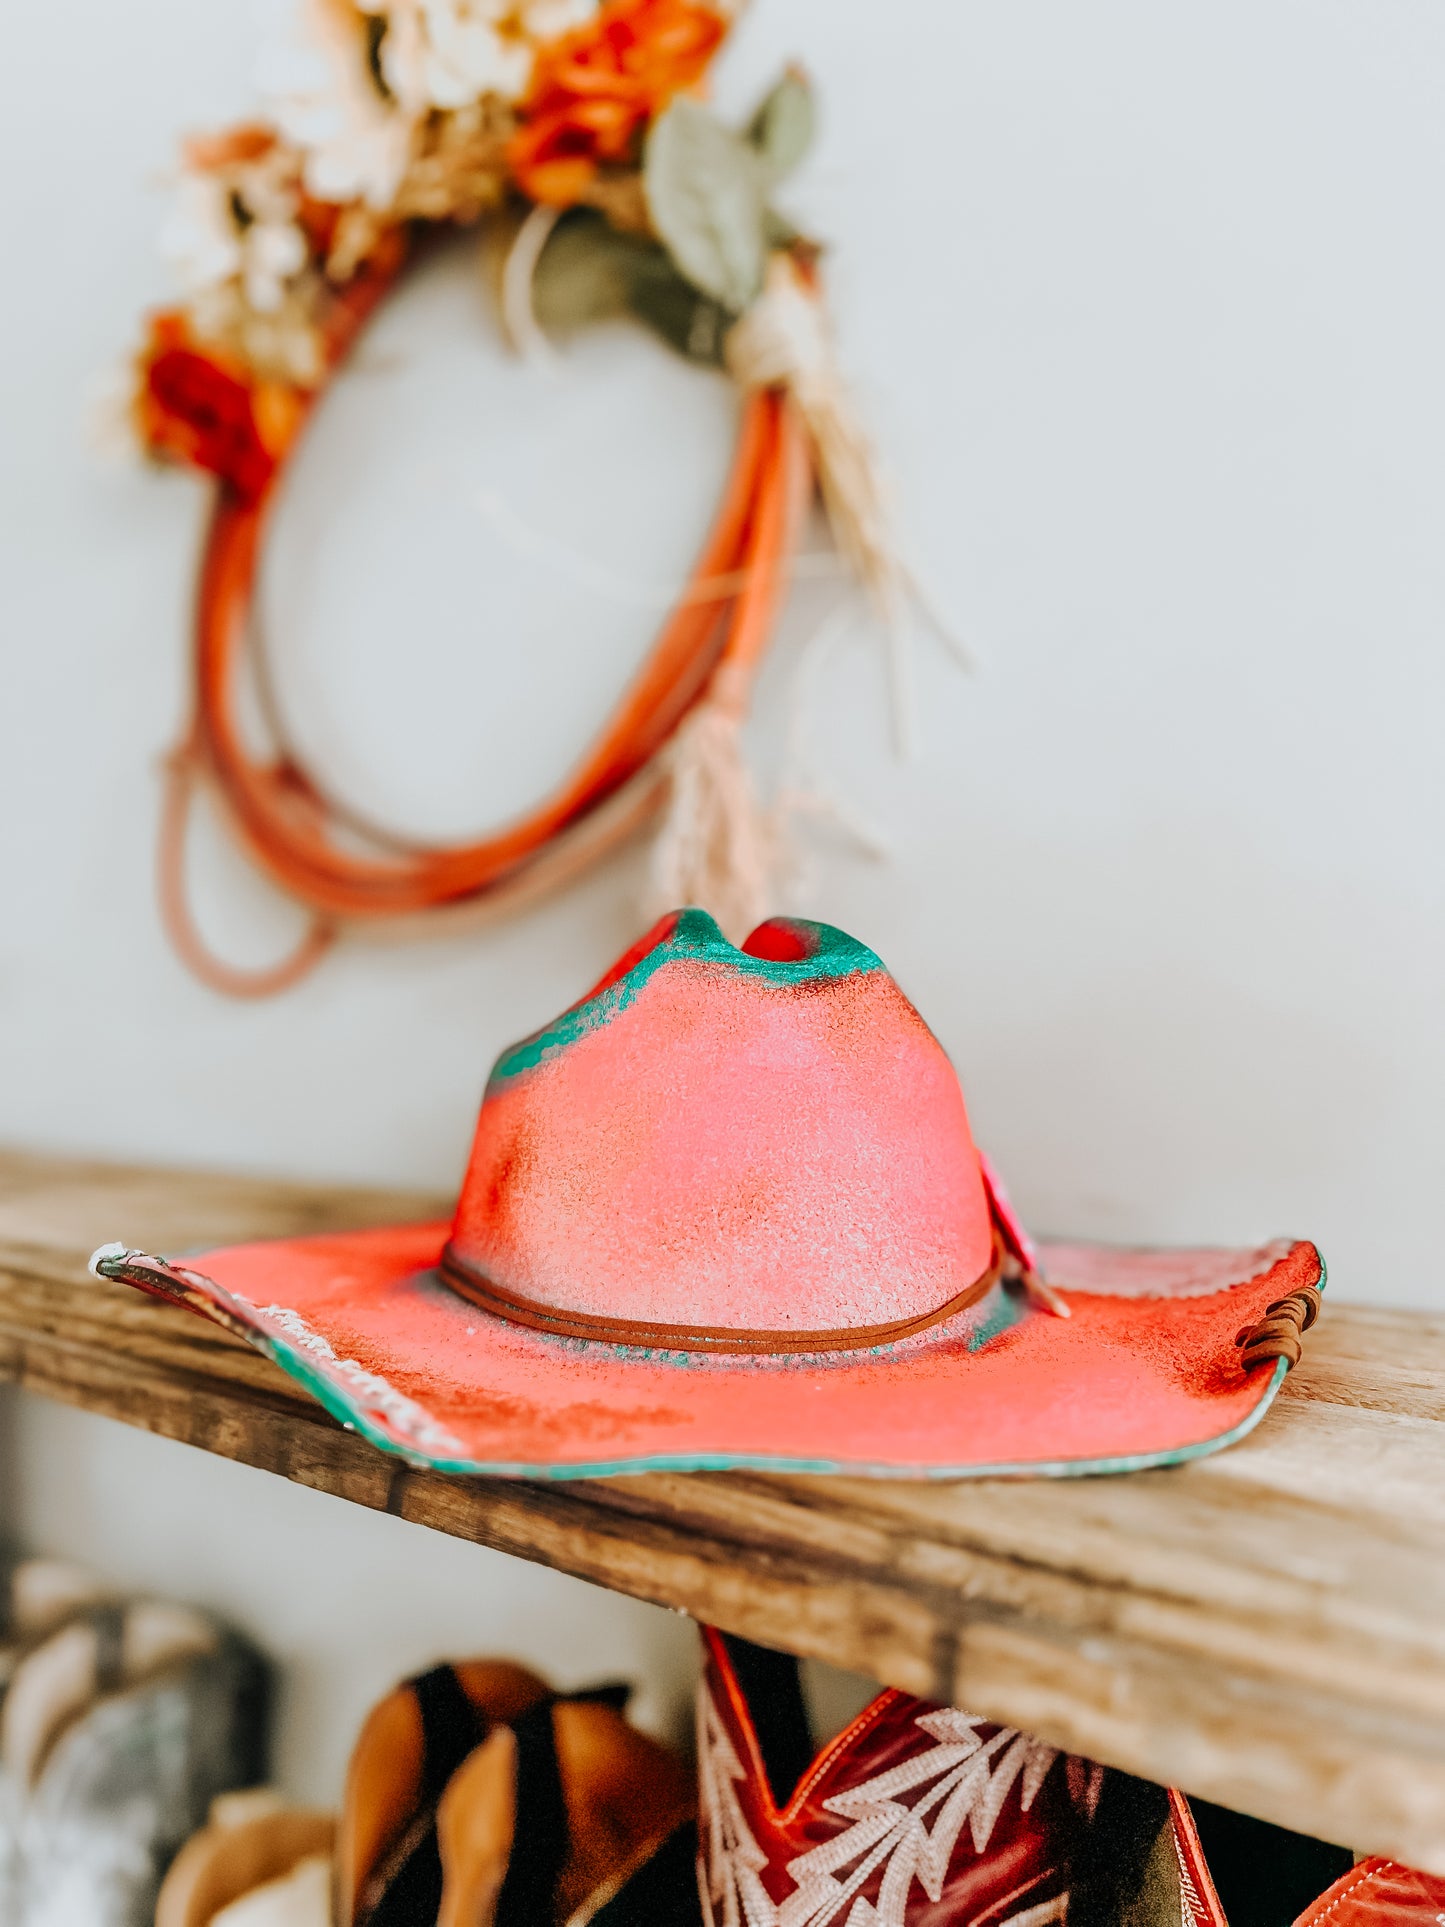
x: 1280, y: 1333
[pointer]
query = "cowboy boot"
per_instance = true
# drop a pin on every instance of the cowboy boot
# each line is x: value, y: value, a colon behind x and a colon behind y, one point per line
x: 918, y: 1815
x: 915, y: 1815
x: 1181, y: 1855
x: 555, y: 1818
x: 117, y: 1732
x: 413, y: 1741
x: 256, y: 1863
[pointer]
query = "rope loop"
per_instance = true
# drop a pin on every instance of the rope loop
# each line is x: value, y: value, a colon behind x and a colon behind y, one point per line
x: 1279, y: 1334
x: 181, y: 780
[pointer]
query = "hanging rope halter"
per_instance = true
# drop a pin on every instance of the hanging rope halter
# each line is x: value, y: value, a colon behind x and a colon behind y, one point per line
x: 227, y: 385
x: 307, y: 843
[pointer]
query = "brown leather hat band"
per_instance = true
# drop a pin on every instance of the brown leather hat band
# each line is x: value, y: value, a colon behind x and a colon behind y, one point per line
x: 517, y: 1310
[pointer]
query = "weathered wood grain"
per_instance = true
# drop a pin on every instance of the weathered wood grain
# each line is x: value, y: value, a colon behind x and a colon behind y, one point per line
x: 1264, y: 1628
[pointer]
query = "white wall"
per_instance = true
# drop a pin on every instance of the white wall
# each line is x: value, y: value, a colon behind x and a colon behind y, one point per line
x: 1146, y: 305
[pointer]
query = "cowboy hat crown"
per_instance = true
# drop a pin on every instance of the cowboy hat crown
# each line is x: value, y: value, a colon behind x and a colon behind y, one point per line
x: 756, y: 1149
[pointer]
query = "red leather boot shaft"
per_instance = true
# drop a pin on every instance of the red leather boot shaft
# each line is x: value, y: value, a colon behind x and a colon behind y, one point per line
x: 917, y: 1815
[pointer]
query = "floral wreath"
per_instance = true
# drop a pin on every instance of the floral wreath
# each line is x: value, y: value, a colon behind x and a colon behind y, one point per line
x: 578, y: 124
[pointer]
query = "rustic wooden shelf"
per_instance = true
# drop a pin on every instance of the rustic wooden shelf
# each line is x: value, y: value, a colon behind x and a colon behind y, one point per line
x: 1265, y: 1627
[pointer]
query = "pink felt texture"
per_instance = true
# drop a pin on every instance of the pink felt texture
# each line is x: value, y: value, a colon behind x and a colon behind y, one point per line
x: 732, y: 1151
x: 1123, y: 1378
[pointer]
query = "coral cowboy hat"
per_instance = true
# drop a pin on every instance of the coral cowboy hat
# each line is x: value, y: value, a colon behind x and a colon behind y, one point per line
x: 727, y: 1211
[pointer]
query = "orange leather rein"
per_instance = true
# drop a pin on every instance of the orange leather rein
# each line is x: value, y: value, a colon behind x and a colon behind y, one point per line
x: 343, y: 870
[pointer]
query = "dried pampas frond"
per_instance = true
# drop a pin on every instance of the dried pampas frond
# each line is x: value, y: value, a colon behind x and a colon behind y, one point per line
x: 716, y: 845
x: 784, y: 341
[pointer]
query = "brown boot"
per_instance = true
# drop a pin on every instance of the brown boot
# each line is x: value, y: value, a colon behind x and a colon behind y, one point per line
x: 252, y: 1842
x: 548, y: 1820
x: 388, y: 1867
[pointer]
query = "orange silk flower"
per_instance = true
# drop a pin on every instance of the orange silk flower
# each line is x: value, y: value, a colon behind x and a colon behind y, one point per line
x: 594, y: 89
x: 195, y: 404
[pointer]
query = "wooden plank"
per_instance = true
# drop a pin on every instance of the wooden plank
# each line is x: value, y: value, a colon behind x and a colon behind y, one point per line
x: 1264, y: 1627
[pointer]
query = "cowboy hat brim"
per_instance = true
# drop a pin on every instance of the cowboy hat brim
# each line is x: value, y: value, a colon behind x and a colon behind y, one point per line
x: 1149, y: 1368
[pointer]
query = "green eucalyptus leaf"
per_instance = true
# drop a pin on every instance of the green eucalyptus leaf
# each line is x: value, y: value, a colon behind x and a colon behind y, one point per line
x: 779, y: 231
x: 588, y: 271
x: 706, y: 191
x: 692, y: 323
x: 584, y: 272
x: 782, y: 128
